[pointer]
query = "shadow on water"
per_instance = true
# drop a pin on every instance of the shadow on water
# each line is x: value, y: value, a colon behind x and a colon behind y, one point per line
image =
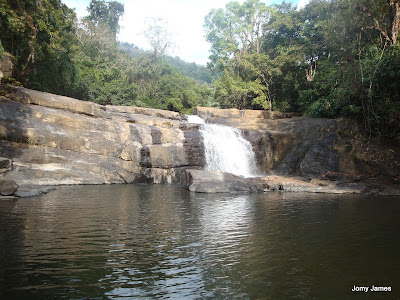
x: 11, y: 237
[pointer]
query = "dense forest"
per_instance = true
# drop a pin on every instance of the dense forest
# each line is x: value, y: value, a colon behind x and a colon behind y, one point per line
x: 333, y: 58
x: 56, y: 53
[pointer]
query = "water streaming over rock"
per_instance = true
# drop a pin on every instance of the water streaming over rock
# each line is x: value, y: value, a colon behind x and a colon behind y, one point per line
x: 225, y: 149
x: 195, y: 119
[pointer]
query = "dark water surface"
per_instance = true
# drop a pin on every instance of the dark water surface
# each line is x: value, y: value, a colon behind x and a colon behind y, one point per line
x: 163, y: 242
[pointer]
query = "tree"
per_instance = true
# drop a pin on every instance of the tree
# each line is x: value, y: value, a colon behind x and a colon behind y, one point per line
x: 107, y: 14
x: 159, y: 37
x: 1, y: 50
x: 358, y: 63
x: 41, y: 36
x: 235, y: 35
x: 104, y: 74
x: 161, y: 85
x: 235, y: 31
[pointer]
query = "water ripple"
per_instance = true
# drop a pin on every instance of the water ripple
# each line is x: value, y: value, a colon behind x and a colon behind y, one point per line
x: 162, y: 242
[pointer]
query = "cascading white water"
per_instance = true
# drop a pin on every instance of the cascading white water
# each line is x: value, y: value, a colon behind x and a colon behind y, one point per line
x: 195, y: 119
x: 225, y: 149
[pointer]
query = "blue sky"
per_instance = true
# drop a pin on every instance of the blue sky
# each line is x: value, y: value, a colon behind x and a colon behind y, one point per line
x: 184, y: 19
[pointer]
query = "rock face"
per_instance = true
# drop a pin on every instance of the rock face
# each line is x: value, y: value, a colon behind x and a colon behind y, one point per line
x: 56, y: 140
x: 286, y: 144
x: 6, y: 65
x: 47, y: 139
x: 218, y: 182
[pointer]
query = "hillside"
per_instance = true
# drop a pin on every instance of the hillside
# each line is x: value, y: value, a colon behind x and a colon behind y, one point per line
x: 200, y: 73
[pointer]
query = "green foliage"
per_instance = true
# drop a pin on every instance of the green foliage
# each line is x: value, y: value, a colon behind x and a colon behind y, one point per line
x: 106, y: 14
x: 10, y: 81
x: 1, y: 50
x: 131, y: 49
x: 41, y: 36
x: 163, y: 86
x: 103, y: 74
x: 199, y: 73
x: 334, y: 58
x: 108, y: 76
x: 56, y: 54
x: 235, y: 31
x: 235, y: 37
x: 232, y: 90
x: 358, y: 71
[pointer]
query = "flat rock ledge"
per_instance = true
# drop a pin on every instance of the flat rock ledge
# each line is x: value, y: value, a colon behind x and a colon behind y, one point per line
x: 219, y: 182
x: 9, y: 189
x: 201, y: 181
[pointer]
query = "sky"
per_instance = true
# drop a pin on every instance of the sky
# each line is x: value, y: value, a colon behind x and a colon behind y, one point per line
x: 184, y: 18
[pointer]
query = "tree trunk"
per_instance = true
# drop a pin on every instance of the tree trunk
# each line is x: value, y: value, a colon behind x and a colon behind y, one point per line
x: 396, y: 20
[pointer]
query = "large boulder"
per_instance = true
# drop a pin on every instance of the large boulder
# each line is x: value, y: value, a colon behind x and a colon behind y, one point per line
x: 7, y: 187
x: 201, y: 181
x: 5, y: 165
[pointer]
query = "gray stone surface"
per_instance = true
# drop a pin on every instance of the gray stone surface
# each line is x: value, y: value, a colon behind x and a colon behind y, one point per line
x: 201, y: 181
x: 7, y: 187
x: 32, y: 191
x: 217, y: 182
x: 5, y: 165
x: 59, y: 140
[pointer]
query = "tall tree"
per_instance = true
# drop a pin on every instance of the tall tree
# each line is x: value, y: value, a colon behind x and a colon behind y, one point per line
x: 235, y: 31
x: 41, y: 35
x: 159, y: 36
x: 235, y: 35
x: 106, y: 13
x: 1, y: 50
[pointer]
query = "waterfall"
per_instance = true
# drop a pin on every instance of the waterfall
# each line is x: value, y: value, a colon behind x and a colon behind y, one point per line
x: 195, y: 119
x: 225, y: 149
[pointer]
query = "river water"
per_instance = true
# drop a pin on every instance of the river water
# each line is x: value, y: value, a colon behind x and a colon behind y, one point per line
x: 163, y: 242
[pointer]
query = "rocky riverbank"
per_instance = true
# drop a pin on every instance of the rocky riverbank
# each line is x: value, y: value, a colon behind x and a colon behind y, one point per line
x: 48, y: 140
x: 55, y: 140
x: 217, y: 182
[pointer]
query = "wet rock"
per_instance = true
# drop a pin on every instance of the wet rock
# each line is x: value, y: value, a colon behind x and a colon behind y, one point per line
x: 219, y: 182
x: 194, y: 147
x: 31, y: 191
x: 7, y: 187
x: 163, y: 176
x: 5, y: 164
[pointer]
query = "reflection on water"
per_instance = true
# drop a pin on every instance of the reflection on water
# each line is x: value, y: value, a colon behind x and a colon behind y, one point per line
x: 163, y: 242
